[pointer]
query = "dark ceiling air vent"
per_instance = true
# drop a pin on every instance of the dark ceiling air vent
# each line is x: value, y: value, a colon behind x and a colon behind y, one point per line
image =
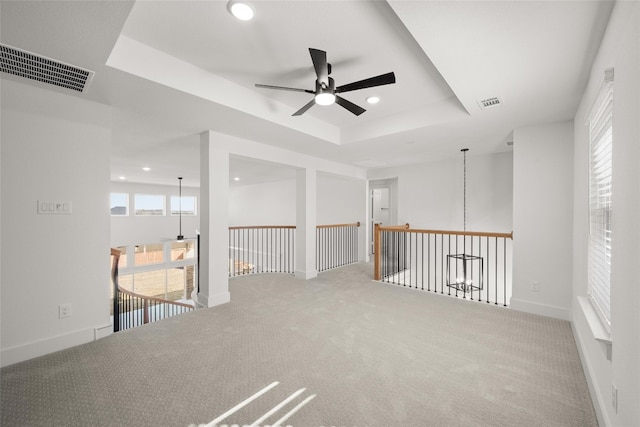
x: 35, y: 67
x: 489, y: 102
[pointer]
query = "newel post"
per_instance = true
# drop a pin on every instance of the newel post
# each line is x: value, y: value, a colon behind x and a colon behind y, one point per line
x: 145, y: 308
x: 376, y: 252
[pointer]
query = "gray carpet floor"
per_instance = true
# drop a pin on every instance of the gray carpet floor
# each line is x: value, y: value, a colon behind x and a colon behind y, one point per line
x: 365, y: 353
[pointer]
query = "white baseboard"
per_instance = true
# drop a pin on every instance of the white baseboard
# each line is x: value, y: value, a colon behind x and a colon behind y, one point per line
x: 102, y: 331
x: 540, y: 309
x: 596, y: 396
x: 28, y: 351
x: 306, y: 275
x: 203, y: 301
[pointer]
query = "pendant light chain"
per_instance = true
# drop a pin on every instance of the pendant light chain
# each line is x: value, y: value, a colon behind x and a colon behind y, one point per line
x: 464, y: 191
x: 180, y: 236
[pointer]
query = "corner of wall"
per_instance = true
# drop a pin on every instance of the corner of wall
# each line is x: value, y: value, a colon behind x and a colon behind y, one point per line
x: 540, y: 309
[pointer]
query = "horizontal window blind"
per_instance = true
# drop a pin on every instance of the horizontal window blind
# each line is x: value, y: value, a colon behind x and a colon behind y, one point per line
x: 601, y: 143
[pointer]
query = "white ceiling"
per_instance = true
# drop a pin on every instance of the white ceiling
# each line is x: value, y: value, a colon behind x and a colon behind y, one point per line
x: 172, y: 69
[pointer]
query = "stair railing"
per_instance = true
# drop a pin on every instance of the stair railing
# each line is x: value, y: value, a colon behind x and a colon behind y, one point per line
x: 471, y: 265
x: 131, y: 309
x: 336, y: 245
x: 261, y: 249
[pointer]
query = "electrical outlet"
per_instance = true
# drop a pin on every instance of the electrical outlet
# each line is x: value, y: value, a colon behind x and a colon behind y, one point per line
x: 64, y: 310
x: 535, y: 286
x: 614, y: 397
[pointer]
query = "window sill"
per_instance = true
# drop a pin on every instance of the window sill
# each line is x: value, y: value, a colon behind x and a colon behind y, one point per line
x: 598, y: 330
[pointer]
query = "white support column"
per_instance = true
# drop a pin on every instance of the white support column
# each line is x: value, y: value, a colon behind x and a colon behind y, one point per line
x: 306, y: 223
x: 214, y: 220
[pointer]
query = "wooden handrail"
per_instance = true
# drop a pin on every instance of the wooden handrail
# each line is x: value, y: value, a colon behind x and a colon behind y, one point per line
x: 251, y: 227
x: 355, y: 224
x: 115, y: 253
x: 148, y: 298
x: 377, y: 264
x: 452, y: 232
x: 393, y: 227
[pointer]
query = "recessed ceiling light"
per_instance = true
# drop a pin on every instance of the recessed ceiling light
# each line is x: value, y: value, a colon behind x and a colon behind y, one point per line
x: 236, y: 178
x: 373, y: 100
x: 122, y: 178
x: 241, y: 9
x: 146, y: 169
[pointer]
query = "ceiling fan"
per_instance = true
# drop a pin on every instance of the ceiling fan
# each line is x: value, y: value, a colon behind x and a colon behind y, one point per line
x: 326, y: 92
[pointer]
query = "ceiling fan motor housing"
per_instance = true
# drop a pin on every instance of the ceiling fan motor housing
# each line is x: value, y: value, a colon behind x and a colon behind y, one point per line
x: 323, y: 88
x: 325, y: 93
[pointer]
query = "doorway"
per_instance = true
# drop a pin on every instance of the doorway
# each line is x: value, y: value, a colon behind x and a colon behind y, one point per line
x: 381, y: 205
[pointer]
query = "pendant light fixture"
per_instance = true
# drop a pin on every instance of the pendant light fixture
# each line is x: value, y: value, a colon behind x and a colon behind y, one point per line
x: 468, y: 281
x: 464, y: 189
x: 180, y: 237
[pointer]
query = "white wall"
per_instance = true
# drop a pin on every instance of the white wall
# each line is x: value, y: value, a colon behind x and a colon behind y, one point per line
x: 134, y: 230
x: 620, y: 49
x: 57, y: 148
x: 255, y: 150
x: 542, y: 219
x: 340, y: 200
x: 430, y: 195
x: 270, y: 203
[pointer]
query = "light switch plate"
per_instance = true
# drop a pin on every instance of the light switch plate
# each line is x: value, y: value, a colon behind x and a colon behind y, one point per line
x: 46, y: 207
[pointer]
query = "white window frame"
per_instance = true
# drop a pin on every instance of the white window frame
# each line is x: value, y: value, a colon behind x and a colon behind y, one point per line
x: 176, y: 212
x: 126, y: 204
x: 600, y: 124
x: 166, y: 264
x: 164, y: 204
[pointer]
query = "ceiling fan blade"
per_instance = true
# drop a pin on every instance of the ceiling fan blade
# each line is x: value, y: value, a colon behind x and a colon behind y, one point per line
x: 293, y: 89
x: 383, y: 79
x: 355, y: 109
x: 305, y: 108
x: 319, y: 58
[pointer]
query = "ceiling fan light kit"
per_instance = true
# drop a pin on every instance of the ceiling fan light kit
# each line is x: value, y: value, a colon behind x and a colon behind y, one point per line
x: 326, y: 93
x: 325, y: 99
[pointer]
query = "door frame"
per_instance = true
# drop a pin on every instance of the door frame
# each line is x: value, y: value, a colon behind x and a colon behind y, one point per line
x: 373, y: 184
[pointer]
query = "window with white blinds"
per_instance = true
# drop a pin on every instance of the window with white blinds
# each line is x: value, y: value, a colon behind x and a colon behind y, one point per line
x: 601, y: 140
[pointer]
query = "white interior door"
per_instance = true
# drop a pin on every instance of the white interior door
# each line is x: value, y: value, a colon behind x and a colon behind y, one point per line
x: 380, y: 210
